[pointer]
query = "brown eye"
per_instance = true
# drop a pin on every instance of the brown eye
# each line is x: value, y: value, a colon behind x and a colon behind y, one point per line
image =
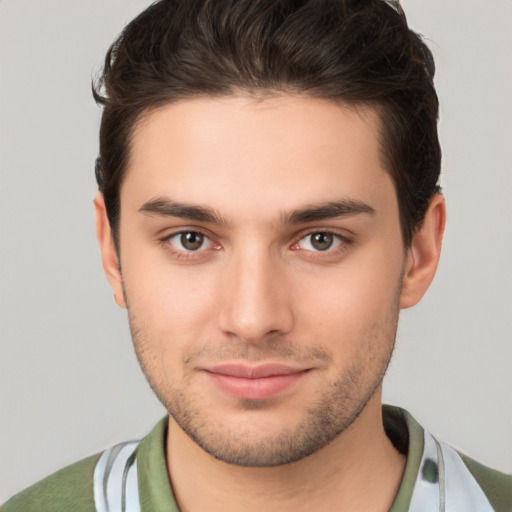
x: 191, y: 240
x: 190, y: 244
x: 322, y: 241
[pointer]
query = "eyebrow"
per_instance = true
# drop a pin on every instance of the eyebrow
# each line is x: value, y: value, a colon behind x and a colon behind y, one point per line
x: 330, y: 210
x: 166, y: 207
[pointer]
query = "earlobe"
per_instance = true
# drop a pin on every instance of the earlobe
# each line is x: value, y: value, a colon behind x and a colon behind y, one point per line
x: 423, y: 254
x: 109, y: 256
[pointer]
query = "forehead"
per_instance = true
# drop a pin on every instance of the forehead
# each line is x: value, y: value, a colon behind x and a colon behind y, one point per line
x: 248, y: 155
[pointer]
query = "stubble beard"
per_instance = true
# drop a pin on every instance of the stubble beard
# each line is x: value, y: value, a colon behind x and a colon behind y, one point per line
x: 330, y: 415
x: 335, y: 408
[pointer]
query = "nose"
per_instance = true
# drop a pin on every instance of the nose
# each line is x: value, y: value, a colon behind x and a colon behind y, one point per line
x: 255, y: 301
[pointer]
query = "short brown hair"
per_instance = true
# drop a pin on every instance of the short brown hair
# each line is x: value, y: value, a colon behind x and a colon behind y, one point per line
x: 349, y: 51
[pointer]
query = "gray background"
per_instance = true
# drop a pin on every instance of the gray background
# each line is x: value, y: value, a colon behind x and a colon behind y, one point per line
x: 70, y: 385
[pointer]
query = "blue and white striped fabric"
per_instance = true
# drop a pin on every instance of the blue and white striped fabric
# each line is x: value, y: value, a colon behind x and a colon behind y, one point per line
x: 116, y: 486
x: 444, y: 482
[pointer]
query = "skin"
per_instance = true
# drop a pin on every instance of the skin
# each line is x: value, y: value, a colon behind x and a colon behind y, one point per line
x: 241, y: 176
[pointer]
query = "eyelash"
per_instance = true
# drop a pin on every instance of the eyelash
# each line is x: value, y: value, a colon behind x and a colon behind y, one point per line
x: 185, y: 254
x: 343, y: 243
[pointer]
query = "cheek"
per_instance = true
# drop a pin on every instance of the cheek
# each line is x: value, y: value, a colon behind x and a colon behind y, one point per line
x: 354, y: 302
x: 172, y: 305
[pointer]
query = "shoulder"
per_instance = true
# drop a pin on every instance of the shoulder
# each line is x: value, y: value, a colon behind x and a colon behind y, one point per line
x: 70, y: 488
x: 110, y: 472
x: 496, y: 486
x: 435, y: 472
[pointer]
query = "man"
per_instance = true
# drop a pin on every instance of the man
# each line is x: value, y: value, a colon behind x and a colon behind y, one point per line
x: 268, y: 202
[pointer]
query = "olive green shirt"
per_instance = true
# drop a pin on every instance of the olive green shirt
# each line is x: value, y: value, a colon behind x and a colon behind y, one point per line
x: 436, y: 477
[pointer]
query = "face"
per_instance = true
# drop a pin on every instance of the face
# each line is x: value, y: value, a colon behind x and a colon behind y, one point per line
x: 262, y: 265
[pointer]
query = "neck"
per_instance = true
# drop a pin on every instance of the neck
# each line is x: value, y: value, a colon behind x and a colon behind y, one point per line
x: 359, y: 471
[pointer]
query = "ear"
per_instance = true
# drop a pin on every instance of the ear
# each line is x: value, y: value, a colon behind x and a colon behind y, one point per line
x: 423, y: 254
x: 109, y: 256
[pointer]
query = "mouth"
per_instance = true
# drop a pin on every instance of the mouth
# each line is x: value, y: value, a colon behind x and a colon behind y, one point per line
x: 258, y: 382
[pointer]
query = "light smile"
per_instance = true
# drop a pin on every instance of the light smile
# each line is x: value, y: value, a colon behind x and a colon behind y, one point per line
x: 254, y: 382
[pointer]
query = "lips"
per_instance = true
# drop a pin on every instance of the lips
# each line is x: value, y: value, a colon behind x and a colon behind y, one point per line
x: 254, y: 382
